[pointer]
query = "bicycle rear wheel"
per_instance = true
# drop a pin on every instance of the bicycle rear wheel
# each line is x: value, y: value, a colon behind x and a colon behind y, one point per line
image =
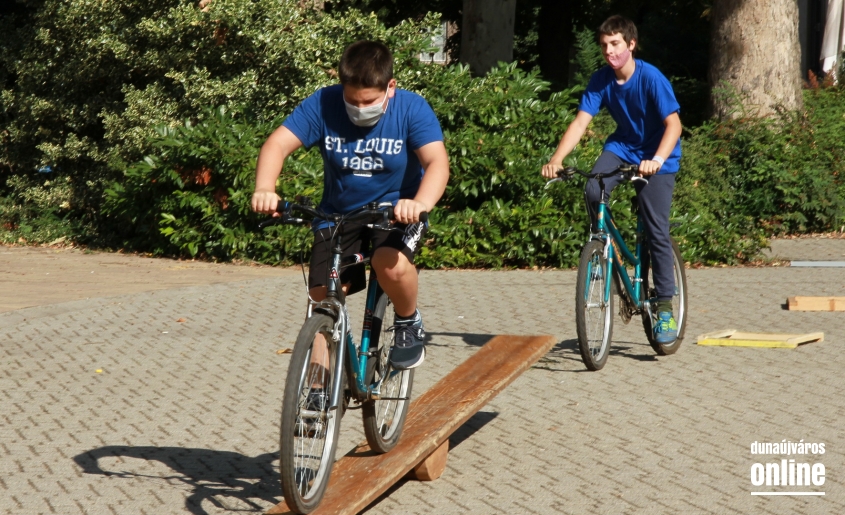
x: 309, y: 431
x: 385, y: 417
x: 593, y: 314
x: 679, y: 303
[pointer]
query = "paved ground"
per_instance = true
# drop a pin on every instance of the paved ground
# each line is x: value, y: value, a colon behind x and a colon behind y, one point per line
x: 829, y: 248
x: 112, y: 405
x: 31, y: 276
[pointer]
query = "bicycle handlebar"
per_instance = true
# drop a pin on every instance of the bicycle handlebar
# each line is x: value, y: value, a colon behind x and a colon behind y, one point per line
x: 626, y: 169
x: 371, y: 213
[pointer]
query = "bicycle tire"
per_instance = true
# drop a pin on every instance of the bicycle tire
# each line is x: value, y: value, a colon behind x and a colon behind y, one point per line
x: 308, y: 443
x: 679, y: 303
x: 384, y: 419
x: 593, y: 316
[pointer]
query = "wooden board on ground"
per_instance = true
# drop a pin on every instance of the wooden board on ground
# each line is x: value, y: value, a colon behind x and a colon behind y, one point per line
x: 816, y: 303
x: 361, y: 476
x: 734, y: 338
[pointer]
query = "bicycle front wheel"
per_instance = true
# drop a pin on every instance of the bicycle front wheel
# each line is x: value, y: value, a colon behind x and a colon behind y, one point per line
x: 593, y: 312
x: 309, y: 431
x: 679, y: 303
x: 384, y: 417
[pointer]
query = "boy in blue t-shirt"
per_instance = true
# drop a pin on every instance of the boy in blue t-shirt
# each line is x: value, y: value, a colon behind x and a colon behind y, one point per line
x: 379, y: 144
x: 641, y: 101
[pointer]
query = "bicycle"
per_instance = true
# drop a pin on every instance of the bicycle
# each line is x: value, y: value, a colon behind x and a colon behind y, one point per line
x: 604, y: 256
x: 320, y: 385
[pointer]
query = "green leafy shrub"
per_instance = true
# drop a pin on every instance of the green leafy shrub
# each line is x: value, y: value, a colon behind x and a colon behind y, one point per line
x: 151, y: 119
x: 92, y: 80
x: 191, y: 196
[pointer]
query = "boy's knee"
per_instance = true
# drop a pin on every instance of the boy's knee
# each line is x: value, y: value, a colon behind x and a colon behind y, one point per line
x: 391, y: 264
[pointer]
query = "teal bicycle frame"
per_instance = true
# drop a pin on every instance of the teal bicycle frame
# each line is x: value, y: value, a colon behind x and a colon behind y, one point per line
x: 609, y: 234
x: 335, y: 306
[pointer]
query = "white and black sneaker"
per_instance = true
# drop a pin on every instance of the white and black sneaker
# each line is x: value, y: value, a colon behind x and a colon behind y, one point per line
x: 311, y: 421
x: 408, y: 342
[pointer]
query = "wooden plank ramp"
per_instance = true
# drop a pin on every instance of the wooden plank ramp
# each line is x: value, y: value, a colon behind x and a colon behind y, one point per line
x: 799, y: 303
x: 734, y: 338
x: 362, y: 476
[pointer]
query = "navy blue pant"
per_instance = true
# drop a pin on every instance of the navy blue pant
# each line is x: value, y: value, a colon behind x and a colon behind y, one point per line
x: 655, y: 199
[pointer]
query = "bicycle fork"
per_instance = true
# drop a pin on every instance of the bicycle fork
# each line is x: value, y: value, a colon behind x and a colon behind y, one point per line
x: 340, y: 335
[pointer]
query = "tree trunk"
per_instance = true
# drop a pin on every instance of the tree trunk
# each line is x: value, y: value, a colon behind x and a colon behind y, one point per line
x: 755, y: 51
x: 487, y: 33
x: 555, y: 40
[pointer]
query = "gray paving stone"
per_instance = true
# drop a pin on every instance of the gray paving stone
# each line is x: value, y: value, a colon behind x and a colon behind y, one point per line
x: 183, y: 416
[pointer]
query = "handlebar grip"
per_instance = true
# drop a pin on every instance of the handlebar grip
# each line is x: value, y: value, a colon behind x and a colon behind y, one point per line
x: 283, y: 206
x: 566, y: 173
x: 391, y: 216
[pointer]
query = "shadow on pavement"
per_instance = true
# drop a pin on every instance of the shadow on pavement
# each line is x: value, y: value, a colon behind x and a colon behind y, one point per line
x: 568, y: 350
x: 469, y: 428
x: 476, y: 340
x: 228, y: 480
x: 216, y: 476
x: 616, y: 350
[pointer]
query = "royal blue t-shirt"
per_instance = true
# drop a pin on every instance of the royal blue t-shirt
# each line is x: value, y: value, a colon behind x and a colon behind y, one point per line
x: 365, y: 164
x: 638, y: 107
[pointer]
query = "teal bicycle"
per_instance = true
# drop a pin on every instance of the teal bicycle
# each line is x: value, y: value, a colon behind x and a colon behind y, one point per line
x: 328, y: 369
x: 604, y: 257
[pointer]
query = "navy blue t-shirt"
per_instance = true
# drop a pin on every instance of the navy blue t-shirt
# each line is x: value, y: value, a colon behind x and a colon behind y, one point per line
x: 366, y: 164
x: 638, y: 107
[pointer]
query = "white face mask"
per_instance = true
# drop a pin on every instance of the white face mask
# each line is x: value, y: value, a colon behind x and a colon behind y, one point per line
x: 365, y: 116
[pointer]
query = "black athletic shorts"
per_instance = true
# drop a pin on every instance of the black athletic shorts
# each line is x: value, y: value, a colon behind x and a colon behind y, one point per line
x: 360, y: 239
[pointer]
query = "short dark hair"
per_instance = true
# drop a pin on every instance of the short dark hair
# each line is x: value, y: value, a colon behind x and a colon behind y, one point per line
x: 366, y: 64
x: 619, y: 25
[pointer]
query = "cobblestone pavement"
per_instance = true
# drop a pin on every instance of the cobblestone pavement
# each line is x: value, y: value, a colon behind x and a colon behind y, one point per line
x: 112, y: 405
x: 808, y: 249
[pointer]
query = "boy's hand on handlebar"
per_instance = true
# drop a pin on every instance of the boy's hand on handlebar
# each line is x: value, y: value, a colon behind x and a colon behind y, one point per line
x: 649, y: 167
x: 550, y: 170
x: 407, y: 211
x: 265, y: 202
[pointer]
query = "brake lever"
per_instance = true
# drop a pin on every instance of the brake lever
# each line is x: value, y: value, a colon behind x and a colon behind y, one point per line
x: 556, y: 179
x: 270, y: 221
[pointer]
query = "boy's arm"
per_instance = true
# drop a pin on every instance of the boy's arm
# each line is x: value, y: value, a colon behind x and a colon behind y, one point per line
x: 570, y: 138
x: 667, y: 145
x: 272, y: 157
x: 435, y: 162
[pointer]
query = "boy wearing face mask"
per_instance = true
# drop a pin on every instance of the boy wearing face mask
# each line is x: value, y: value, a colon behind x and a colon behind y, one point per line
x: 641, y: 102
x: 379, y: 144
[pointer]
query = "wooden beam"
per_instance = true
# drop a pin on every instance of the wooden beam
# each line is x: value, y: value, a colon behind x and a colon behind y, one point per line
x: 361, y: 476
x: 432, y: 467
x: 816, y: 303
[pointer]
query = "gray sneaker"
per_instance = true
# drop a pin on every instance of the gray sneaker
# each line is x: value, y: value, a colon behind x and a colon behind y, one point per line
x: 311, y: 421
x: 408, y: 343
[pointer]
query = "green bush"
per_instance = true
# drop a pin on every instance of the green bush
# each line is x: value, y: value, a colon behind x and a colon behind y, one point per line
x: 85, y: 84
x: 191, y: 196
x: 150, y: 117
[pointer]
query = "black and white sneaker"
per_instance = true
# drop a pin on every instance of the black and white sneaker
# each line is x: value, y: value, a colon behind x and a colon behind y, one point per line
x: 408, y: 342
x: 312, y: 417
